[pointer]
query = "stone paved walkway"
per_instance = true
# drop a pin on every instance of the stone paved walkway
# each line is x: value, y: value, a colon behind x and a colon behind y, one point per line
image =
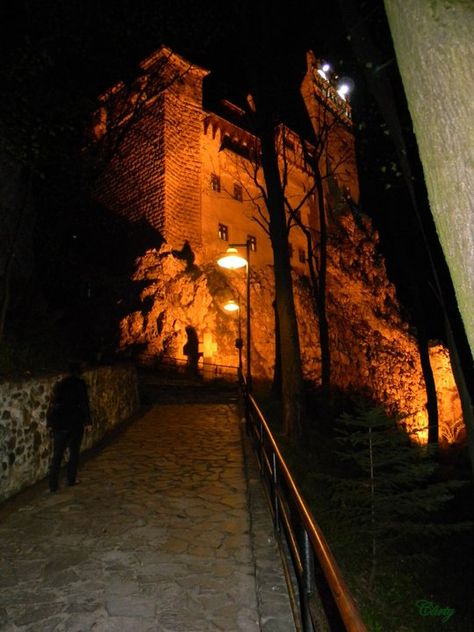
x: 158, y: 536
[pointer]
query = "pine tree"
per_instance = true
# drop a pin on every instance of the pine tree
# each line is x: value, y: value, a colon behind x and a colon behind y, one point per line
x: 386, y: 494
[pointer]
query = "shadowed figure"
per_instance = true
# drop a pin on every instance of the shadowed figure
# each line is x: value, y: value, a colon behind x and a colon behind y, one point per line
x: 191, y: 349
x: 67, y: 416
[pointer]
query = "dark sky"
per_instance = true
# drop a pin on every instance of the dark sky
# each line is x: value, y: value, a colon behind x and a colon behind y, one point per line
x: 82, y: 46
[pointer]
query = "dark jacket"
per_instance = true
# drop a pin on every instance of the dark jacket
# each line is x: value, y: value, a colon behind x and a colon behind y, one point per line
x: 69, y: 407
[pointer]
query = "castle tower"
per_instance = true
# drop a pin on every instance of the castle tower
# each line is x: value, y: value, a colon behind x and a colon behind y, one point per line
x: 331, y: 118
x: 152, y: 130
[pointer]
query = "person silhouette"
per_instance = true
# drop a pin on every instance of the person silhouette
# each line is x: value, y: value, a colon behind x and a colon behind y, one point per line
x: 191, y: 349
x: 67, y: 417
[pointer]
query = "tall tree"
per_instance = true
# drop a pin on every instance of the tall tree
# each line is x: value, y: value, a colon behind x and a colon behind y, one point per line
x: 388, y: 494
x: 261, y: 44
x: 434, y: 46
x: 441, y: 95
x: 375, y: 70
x: 381, y: 88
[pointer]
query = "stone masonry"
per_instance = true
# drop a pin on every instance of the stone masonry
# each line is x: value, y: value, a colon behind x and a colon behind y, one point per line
x: 161, y: 534
x: 25, y: 441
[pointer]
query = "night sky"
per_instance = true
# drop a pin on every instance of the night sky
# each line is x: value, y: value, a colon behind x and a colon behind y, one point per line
x: 68, y: 52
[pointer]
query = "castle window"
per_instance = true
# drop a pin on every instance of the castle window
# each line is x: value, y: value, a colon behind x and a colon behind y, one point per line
x: 301, y: 255
x: 223, y: 232
x: 215, y: 183
x: 252, y: 241
x: 237, y: 192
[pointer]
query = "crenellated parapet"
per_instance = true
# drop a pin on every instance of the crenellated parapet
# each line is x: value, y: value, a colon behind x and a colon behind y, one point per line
x: 331, y: 119
x: 325, y: 90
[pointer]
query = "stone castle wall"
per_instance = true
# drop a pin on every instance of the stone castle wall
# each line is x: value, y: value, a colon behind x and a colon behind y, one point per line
x: 182, y: 160
x: 149, y: 144
x: 132, y: 180
x: 25, y: 441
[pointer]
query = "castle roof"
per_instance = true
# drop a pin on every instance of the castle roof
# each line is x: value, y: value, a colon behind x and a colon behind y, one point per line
x: 166, y: 54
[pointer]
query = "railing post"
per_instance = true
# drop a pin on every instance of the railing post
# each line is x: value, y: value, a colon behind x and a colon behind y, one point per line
x: 262, y: 449
x: 247, y: 409
x: 276, y: 504
x: 307, y: 583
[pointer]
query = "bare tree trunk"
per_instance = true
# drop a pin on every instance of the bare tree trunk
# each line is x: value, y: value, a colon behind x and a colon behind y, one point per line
x: 466, y: 405
x: 321, y: 293
x: 317, y: 266
x: 291, y: 371
x: 261, y: 43
x: 276, y: 384
x: 430, y: 40
x: 430, y: 386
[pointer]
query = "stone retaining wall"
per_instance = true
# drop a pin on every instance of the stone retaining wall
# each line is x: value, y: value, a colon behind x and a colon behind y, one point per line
x: 25, y: 441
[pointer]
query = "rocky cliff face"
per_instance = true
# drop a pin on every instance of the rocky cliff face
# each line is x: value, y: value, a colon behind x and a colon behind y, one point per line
x: 372, y: 347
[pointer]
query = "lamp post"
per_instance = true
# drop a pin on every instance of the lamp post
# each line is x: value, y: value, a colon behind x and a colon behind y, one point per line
x: 231, y: 260
x: 231, y: 307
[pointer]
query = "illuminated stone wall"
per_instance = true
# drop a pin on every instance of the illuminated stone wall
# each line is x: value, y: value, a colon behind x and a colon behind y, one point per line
x: 149, y: 155
x: 132, y: 180
x: 247, y: 216
x: 26, y: 443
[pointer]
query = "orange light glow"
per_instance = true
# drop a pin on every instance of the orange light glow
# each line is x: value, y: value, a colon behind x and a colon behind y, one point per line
x: 231, y: 306
x: 231, y: 260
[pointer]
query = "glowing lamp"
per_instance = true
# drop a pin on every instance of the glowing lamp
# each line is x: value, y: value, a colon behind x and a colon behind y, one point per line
x: 231, y: 306
x: 231, y: 260
x: 345, y: 87
x: 324, y: 69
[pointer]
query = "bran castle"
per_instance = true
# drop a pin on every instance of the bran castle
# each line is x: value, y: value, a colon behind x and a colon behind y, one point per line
x: 194, y: 176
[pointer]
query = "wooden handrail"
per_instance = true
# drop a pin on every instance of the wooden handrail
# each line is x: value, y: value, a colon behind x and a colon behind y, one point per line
x: 338, y: 587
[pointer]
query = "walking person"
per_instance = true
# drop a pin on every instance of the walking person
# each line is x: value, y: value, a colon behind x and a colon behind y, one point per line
x: 68, y: 415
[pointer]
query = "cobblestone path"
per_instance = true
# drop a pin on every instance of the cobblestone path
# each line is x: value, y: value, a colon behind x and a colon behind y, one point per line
x: 158, y: 536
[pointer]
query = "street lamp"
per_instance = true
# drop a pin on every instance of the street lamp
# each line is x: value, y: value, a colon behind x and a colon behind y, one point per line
x: 232, y: 306
x: 232, y: 260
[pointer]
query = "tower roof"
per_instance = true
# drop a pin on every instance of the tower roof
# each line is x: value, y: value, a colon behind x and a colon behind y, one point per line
x: 165, y: 54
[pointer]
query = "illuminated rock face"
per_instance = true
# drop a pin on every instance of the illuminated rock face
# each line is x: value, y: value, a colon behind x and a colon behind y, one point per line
x: 372, y: 348
x: 451, y: 423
